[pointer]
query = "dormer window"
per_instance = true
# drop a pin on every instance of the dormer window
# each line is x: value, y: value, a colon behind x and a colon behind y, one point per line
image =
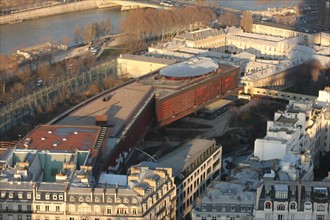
x: 11, y: 195
x: 3, y: 194
x: 54, y: 196
x: 293, y: 206
x: 38, y: 196
x: 29, y: 196
x: 280, y: 207
x: 60, y: 197
x: 268, y: 205
x: 320, y: 208
x: 47, y: 196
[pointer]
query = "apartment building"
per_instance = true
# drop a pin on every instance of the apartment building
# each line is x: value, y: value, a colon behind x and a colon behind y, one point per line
x: 290, y: 200
x: 148, y: 194
x: 296, y: 129
x: 225, y: 200
x: 196, y: 164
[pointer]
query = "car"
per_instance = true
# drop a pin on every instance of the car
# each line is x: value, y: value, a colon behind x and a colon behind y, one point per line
x: 40, y: 82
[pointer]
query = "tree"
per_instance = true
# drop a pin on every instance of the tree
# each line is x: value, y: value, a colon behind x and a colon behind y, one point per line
x: 8, y: 67
x: 76, y: 34
x: 246, y: 21
x: 105, y: 27
x: 89, y: 33
x: 228, y: 18
x: 44, y: 72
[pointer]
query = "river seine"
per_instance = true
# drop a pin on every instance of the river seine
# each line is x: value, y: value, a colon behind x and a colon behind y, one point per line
x: 58, y: 27
x: 54, y: 28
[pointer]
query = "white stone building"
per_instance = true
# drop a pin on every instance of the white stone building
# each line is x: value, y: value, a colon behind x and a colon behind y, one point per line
x: 292, y: 200
x: 225, y: 200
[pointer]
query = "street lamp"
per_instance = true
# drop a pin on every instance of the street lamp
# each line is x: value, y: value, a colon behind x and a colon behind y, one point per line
x: 19, y: 137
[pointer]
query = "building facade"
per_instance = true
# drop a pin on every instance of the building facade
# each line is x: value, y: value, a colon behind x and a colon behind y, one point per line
x: 149, y: 194
x: 290, y: 200
x: 225, y: 200
x: 195, y: 166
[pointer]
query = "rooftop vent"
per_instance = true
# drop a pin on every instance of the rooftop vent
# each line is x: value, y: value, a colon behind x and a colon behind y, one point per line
x: 43, y: 138
x: 76, y: 132
x: 50, y: 132
x: 27, y: 142
x: 55, y: 145
x: 64, y: 139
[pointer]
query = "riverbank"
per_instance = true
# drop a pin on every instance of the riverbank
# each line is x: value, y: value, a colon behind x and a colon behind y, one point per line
x: 54, y: 10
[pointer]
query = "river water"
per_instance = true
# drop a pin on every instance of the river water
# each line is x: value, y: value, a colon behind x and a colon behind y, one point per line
x: 55, y: 28
x: 58, y: 27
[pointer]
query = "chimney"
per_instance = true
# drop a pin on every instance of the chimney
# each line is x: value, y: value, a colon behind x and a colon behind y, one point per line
x: 299, y: 194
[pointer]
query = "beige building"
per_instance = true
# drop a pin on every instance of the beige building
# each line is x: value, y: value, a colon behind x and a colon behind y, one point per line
x: 195, y: 165
x: 285, y: 31
x: 262, y: 45
x: 144, y: 194
x: 136, y: 65
x: 205, y: 38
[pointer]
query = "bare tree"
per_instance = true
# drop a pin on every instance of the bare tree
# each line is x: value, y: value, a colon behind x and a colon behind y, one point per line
x: 44, y: 72
x: 25, y: 74
x: 76, y: 34
x: 228, y: 19
x: 105, y: 27
x: 8, y: 66
x: 246, y: 21
x: 89, y: 33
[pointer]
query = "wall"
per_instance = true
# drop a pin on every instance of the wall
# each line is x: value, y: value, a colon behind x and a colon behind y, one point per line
x: 43, y: 12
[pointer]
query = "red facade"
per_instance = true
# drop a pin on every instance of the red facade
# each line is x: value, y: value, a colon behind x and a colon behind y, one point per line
x: 195, y: 96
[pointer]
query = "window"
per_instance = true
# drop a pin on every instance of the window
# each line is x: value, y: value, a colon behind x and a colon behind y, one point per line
x: 134, y: 211
x: 280, y: 217
x: 19, y: 217
x: 29, y: 196
x: 203, y: 218
x: 214, y: 208
x: 47, y: 196
x: 28, y: 207
x: 121, y: 210
x: 268, y: 205
x: 19, y: 207
x: 292, y: 217
x: 232, y: 218
x: 320, y: 208
x: 38, y: 196
x: 20, y: 195
x: 204, y: 207
x: 54, y: 196
x: 28, y: 217
x: 280, y: 207
x: 108, y: 210
x: 232, y: 208
x: 37, y: 208
x: 57, y: 218
x: 71, y: 218
x: 47, y: 208
x: 320, y: 217
x: 214, y: 218
x: 60, y: 197
x: 11, y: 195
x: 293, y: 206
x: 58, y: 208
x: 3, y: 194
x: 267, y: 216
x: 72, y: 199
